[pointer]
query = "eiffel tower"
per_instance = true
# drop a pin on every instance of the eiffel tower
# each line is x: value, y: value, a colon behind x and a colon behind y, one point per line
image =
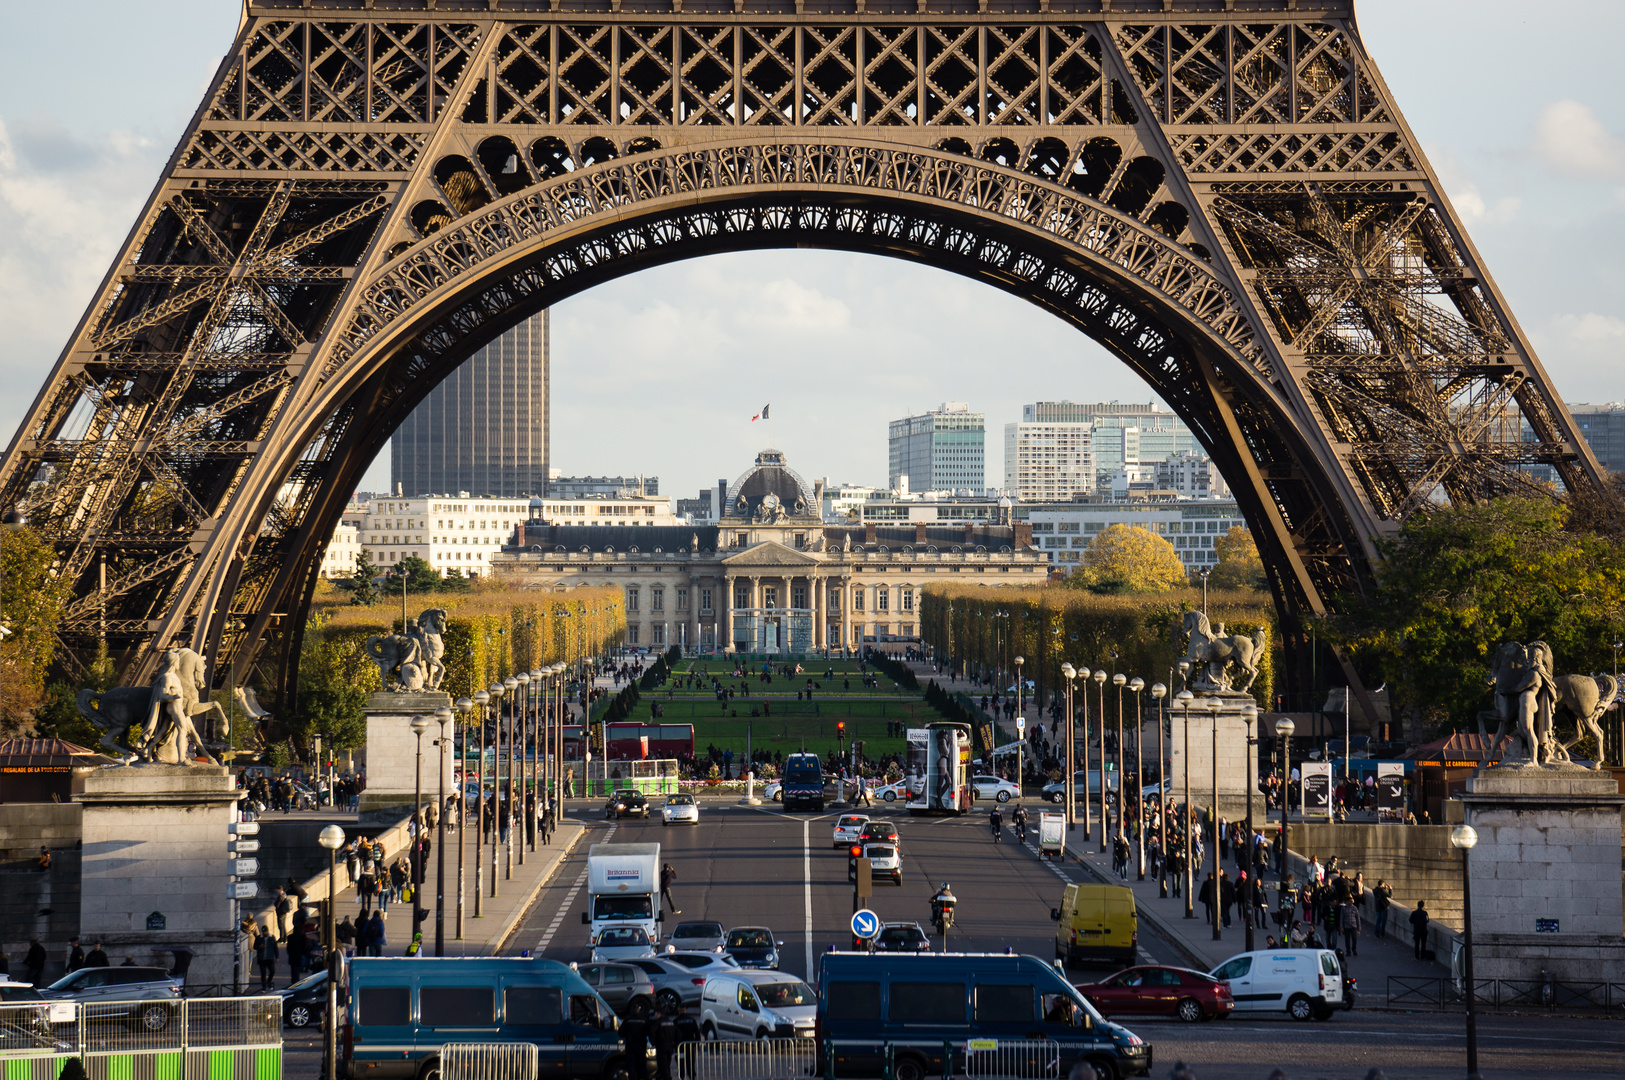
x: 1222, y: 193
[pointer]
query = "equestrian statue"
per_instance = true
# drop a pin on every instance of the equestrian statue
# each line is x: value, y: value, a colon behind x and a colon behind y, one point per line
x: 1527, y: 697
x: 156, y: 722
x: 1218, y: 661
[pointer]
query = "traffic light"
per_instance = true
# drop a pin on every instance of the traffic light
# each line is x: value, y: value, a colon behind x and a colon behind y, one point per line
x: 840, y: 729
x: 857, y: 851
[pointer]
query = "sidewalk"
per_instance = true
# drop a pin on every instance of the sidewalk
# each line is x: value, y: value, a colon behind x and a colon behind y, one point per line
x: 500, y: 915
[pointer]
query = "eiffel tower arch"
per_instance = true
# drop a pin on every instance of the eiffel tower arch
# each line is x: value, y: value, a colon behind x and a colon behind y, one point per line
x: 1224, y: 195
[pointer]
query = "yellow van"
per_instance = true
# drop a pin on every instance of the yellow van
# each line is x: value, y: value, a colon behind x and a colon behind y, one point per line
x: 1097, y: 922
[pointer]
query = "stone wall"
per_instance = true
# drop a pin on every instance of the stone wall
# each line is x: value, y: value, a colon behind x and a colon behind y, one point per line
x: 1416, y: 860
x: 392, y: 758
x: 34, y: 904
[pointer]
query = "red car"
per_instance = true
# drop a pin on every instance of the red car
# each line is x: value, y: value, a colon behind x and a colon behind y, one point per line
x: 1161, y: 991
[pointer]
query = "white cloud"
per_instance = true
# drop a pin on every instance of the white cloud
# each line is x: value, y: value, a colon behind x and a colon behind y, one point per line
x: 1471, y: 206
x: 1590, y: 328
x: 1571, y: 140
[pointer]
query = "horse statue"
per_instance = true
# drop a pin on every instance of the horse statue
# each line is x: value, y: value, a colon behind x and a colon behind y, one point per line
x: 170, y: 732
x: 1212, y: 654
x: 155, y: 722
x: 399, y: 658
x: 431, y: 625
x: 1528, y: 695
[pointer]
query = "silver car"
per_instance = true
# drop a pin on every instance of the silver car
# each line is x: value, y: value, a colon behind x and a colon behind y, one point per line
x: 615, y: 943
x: 147, y: 996
x: 696, y: 936
x: 679, y: 977
x: 625, y: 986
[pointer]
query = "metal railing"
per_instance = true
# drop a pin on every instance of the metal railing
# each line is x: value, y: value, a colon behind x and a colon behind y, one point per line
x: 56, y: 1028
x: 1012, y: 1059
x: 1507, y: 994
x: 489, y: 1061
x: 759, y: 1059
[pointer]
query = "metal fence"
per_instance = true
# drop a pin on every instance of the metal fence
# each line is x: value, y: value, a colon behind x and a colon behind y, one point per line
x: 1012, y: 1059
x: 1509, y: 994
x: 75, y: 1029
x: 760, y: 1059
x: 488, y: 1061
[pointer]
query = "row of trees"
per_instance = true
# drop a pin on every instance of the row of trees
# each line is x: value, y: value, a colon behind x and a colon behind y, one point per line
x: 366, y: 589
x: 1133, y: 559
x: 987, y: 629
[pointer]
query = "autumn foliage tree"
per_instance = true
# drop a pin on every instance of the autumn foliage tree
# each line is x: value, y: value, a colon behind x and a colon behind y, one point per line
x: 1127, y: 558
x: 31, y: 603
x: 1238, y: 566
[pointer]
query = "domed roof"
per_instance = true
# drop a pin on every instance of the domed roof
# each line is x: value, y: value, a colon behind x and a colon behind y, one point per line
x: 769, y: 490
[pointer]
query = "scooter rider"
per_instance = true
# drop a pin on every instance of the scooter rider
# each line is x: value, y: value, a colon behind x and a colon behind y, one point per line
x: 942, y: 909
x: 996, y: 820
x: 1018, y: 820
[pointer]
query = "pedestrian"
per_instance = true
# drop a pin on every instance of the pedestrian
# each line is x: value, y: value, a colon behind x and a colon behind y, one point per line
x: 76, y: 956
x: 1227, y: 897
x: 376, y: 938
x: 668, y: 874
x: 345, y: 932
x: 284, y: 913
x: 665, y: 1040
x: 43, y: 863
x: 297, y: 943
x: 265, y: 953
x: 1348, y: 921
x: 635, y: 1032
x: 1120, y: 856
x: 1208, y: 896
x: 1419, y: 928
x: 97, y: 957
x: 34, y: 962
x: 1382, y: 899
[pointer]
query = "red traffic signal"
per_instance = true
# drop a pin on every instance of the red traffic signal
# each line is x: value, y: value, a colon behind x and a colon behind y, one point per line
x: 840, y: 727
x: 856, y: 852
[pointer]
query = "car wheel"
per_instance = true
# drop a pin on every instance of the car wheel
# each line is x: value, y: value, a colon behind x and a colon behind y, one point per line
x: 1300, y: 1008
x: 1189, y: 1010
x: 430, y: 1070
x: 300, y: 1016
x: 908, y: 1068
x: 615, y: 1070
x: 1004, y: 796
x: 709, y: 1033
x: 891, y: 796
x: 668, y: 999
x: 778, y: 796
x: 638, y: 1006
x: 1057, y: 797
x: 1104, y: 1069
x: 897, y: 879
x: 153, y: 1017
x: 1323, y: 1011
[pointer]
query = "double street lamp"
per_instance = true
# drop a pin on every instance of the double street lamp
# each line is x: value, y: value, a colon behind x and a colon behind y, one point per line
x: 420, y: 724
x: 1250, y: 873
x: 1119, y: 680
x: 464, y: 707
x: 1464, y: 837
x: 509, y: 685
x: 1213, y: 706
x: 443, y: 715
x: 1100, y: 683
x: 1139, y: 778
x: 1185, y: 699
x: 331, y: 838
x: 1160, y: 691
x: 522, y: 680
x: 482, y: 698
x: 1284, y: 727
x: 1068, y: 775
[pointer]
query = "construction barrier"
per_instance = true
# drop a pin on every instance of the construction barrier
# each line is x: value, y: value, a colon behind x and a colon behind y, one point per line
x: 1012, y: 1059
x: 758, y: 1059
x: 223, y: 1038
x: 488, y: 1061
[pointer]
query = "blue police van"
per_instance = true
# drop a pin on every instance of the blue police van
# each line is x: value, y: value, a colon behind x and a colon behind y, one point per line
x: 902, y: 1015
x: 401, y: 1010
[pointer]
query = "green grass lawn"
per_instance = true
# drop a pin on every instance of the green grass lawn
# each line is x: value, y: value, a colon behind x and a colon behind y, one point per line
x: 786, y: 685
x: 795, y: 727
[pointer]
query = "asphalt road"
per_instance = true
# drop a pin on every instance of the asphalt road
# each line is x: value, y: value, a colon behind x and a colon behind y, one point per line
x: 761, y: 867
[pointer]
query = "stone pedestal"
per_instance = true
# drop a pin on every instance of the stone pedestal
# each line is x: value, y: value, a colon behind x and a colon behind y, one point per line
x: 1546, y: 874
x: 392, y: 753
x: 154, y: 871
x: 1232, y: 724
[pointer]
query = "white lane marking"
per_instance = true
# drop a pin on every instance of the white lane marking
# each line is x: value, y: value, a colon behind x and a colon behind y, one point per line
x: 806, y: 883
x: 568, y: 901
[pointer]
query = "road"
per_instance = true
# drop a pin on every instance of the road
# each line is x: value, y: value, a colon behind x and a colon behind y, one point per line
x: 746, y: 866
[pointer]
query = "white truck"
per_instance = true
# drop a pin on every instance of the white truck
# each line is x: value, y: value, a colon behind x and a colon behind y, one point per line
x: 623, y: 888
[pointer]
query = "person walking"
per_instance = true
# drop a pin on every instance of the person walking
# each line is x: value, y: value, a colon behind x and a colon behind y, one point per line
x: 1382, y: 898
x: 97, y: 957
x: 1227, y: 897
x: 668, y: 874
x: 345, y: 932
x: 1419, y: 928
x: 265, y: 953
x: 635, y: 1031
x: 297, y: 943
x: 373, y: 936
x: 34, y: 962
x: 1208, y: 896
x: 665, y: 1040
x: 76, y: 956
x: 284, y: 913
x: 1348, y: 921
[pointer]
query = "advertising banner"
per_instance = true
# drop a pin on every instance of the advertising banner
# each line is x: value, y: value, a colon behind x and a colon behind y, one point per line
x: 942, y: 768
x: 1390, y: 791
x: 1317, y: 789
x: 914, y: 767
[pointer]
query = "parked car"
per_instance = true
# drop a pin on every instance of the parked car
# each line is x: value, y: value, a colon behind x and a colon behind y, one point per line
x: 1084, y: 785
x: 678, y: 977
x: 847, y: 827
x: 993, y: 787
x: 680, y: 809
x: 1161, y: 991
x: 305, y: 1001
x: 885, y: 860
x: 627, y: 804
x: 903, y: 937
x: 753, y: 947
x: 1304, y: 983
x: 757, y: 1005
x: 774, y: 791
x: 696, y: 936
x: 621, y: 943
x: 147, y: 995
x: 626, y: 987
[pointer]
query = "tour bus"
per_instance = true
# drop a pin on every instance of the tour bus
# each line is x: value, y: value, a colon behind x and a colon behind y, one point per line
x: 403, y: 1009
x: 908, y: 1010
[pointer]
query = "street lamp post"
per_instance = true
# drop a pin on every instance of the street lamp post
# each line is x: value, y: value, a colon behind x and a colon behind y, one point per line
x: 1465, y: 837
x: 527, y: 819
x: 1068, y: 777
x: 1185, y: 697
x: 420, y: 724
x: 1204, y: 572
x: 509, y: 685
x: 443, y: 715
x: 331, y: 838
x: 1021, y: 711
x: 536, y: 743
x: 464, y: 706
x: 482, y: 698
x: 1119, y: 680
x: 1139, y: 777
x: 1159, y: 691
x: 1284, y: 727
x: 1251, y: 713
x: 496, y: 690
x: 1213, y: 706
x: 1100, y: 684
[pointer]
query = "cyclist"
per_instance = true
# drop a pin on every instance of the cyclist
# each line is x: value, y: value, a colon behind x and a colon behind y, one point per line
x: 996, y: 820
x: 1018, y: 820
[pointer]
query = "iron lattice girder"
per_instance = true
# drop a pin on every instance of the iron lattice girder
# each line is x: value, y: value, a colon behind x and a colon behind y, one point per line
x: 1229, y: 200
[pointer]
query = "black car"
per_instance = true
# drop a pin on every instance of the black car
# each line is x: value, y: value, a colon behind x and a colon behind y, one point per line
x: 903, y: 937
x: 752, y: 947
x: 627, y: 804
x: 305, y: 1001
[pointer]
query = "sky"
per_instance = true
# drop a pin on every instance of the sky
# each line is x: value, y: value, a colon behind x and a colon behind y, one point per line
x: 1516, y: 104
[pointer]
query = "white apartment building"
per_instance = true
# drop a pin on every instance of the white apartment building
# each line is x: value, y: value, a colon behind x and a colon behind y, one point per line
x: 1191, y: 476
x: 1064, y: 530
x: 599, y: 510
x: 1049, y: 462
x: 338, y: 561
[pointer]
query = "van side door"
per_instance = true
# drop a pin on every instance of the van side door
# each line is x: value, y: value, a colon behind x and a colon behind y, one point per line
x: 854, y: 1026
x: 1238, y: 973
x: 383, y: 1032
x: 535, y: 1014
x: 593, y: 1038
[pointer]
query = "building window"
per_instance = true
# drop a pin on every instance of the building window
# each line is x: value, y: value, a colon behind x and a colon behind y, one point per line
x: 705, y: 599
x: 742, y: 598
x: 739, y: 539
x: 657, y: 634
x: 657, y: 599
x: 908, y: 598
x: 632, y: 634
x: 801, y: 540
x: 882, y: 599
x: 798, y: 596
x: 682, y: 599
x: 770, y: 596
x: 857, y: 598
x: 632, y: 598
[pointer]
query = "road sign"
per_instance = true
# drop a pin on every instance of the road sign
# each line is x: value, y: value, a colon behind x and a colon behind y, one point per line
x: 245, y: 867
x: 243, y: 890
x: 244, y: 847
x: 865, y: 924
x: 1021, y: 724
x: 244, y: 828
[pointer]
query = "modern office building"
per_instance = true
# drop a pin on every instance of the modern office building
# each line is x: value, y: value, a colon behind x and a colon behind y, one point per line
x: 1603, y: 428
x: 449, y: 532
x: 1063, y: 530
x: 485, y: 429
x: 1049, y: 461
x: 941, y: 450
x: 1190, y: 475
x: 1124, y: 434
x: 604, y: 487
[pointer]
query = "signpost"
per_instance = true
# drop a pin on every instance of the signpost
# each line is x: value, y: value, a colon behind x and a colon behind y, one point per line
x: 865, y: 925
x: 243, y: 847
x: 245, y: 867
x: 240, y: 890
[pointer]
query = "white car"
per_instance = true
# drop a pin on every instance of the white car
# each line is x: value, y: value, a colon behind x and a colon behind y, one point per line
x: 1306, y: 984
x: 885, y: 860
x: 680, y: 810
x: 622, y: 943
x: 847, y: 828
x: 993, y: 787
x: 757, y: 1005
x: 892, y: 792
x: 774, y: 791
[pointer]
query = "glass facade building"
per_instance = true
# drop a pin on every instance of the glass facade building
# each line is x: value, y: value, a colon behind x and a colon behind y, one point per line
x: 942, y: 450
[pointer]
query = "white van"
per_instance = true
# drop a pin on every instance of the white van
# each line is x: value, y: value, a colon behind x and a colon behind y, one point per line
x: 1303, y: 983
x: 757, y: 1005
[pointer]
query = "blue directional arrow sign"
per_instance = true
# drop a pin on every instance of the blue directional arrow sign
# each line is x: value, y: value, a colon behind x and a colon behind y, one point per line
x: 865, y: 925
